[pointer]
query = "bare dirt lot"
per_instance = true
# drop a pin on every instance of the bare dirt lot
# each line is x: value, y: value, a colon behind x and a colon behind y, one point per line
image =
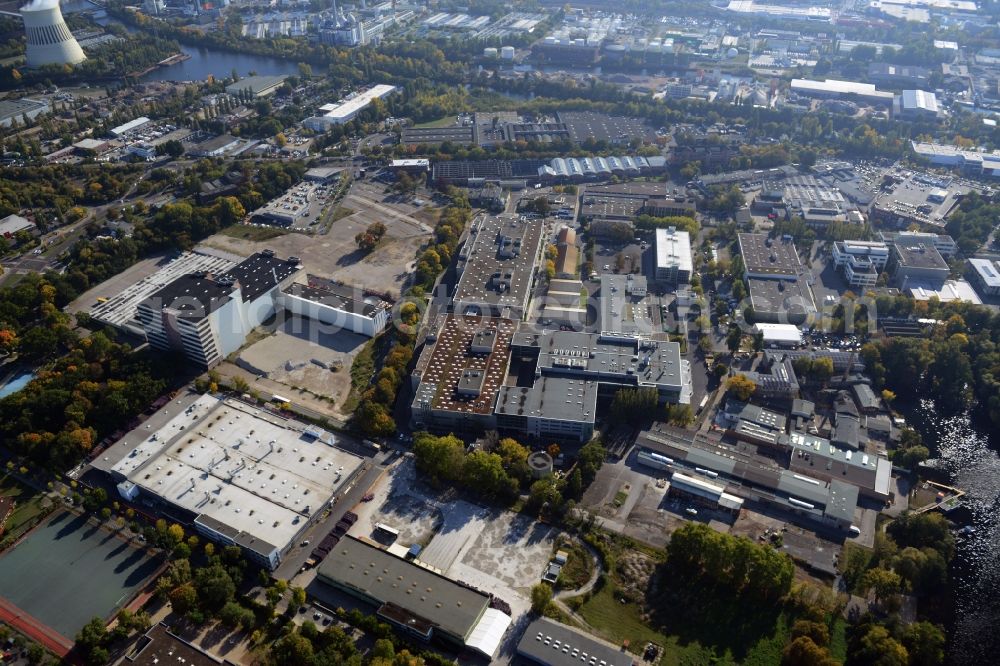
x: 305, y: 354
x: 335, y: 255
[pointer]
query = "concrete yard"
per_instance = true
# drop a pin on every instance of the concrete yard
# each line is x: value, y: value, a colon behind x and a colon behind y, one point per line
x: 69, y: 570
x: 496, y: 551
x: 335, y: 255
x: 305, y: 354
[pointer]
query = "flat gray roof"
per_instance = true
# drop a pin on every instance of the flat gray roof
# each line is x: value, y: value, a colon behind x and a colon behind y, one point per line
x: 379, y: 575
x: 497, y: 262
x: 919, y: 255
x: 556, y: 398
x: 546, y: 641
x: 765, y: 256
x: 236, y: 466
x: 780, y: 296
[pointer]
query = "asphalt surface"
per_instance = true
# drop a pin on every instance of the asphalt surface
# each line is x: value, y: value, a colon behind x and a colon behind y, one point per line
x: 294, y: 559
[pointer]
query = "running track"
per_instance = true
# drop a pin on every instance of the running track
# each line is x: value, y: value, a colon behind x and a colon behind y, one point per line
x: 37, y: 631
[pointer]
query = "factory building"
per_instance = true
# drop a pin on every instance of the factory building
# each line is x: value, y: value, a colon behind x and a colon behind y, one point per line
x: 207, y: 316
x: 347, y: 110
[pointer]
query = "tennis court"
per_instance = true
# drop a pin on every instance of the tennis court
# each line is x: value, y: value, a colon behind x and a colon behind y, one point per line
x: 68, y: 570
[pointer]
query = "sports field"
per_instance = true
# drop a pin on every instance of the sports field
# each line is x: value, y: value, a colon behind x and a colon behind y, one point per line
x: 68, y: 570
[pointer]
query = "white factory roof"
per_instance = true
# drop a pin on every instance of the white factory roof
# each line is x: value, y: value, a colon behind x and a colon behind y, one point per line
x: 14, y: 223
x: 120, y: 309
x: 352, y: 106
x: 951, y: 290
x: 673, y: 249
x: 243, y: 467
x: 987, y: 271
x: 488, y: 632
x: 836, y: 86
x: 129, y: 126
x: 779, y: 333
x: 919, y: 100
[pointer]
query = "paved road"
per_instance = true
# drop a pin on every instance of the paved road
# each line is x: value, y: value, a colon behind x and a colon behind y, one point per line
x: 296, y: 557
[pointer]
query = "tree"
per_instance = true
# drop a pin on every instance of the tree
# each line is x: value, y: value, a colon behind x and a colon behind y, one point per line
x: 803, y: 651
x: 733, y: 339
x: 680, y: 415
x: 877, y: 646
x: 293, y: 649
x: 630, y: 405
x: 741, y: 386
x: 883, y: 582
x: 541, y: 597
x: 183, y: 598
x: 925, y: 643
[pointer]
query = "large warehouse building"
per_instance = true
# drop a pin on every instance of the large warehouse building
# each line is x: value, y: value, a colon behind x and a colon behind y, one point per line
x: 417, y: 601
x: 239, y: 475
x: 348, y: 110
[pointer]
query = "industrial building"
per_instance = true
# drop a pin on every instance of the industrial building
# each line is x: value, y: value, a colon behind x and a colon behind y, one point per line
x: 556, y: 170
x: 973, y: 162
x: 130, y: 126
x: 943, y: 243
x: 549, y: 643
x: 751, y: 478
x: 256, y: 86
x: 435, y: 136
x: 779, y: 291
x: 860, y: 261
x: 916, y: 104
x: 558, y: 408
x: 120, y: 310
x: 347, y: 110
x: 13, y: 224
x: 460, y: 372
x: 236, y: 474
x: 290, y: 207
x: 336, y: 305
x: 419, y: 602
x: 496, y: 266
x: 216, y: 146
x: 15, y: 110
x: 919, y: 264
x: 673, y: 256
x: 836, y: 89
x: 985, y: 275
x: 612, y: 360
x: 208, y: 316
x: 620, y: 305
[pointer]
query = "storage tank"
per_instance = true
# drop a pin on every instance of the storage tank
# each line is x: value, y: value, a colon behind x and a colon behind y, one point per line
x: 490, y: 52
x: 507, y: 52
x: 49, y: 41
x: 540, y: 464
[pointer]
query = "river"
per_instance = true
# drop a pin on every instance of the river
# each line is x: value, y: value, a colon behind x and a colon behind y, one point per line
x: 973, y: 462
x: 202, y: 62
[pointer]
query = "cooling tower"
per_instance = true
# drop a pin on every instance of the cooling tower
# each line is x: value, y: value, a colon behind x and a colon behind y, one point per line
x: 49, y: 40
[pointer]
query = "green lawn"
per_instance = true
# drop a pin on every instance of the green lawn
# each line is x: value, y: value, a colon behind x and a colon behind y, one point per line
x: 579, y: 567
x: 446, y: 121
x: 252, y: 233
x: 715, y: 631
x: 29, y: 505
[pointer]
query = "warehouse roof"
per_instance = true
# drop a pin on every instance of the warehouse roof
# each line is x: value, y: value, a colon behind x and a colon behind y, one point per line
x: 379, y: 575
x: 546, y: 641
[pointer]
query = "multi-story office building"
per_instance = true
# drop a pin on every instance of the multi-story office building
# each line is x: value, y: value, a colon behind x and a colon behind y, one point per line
x: 673, y: 256
x: 860, y: 261
x: 207, y: 316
